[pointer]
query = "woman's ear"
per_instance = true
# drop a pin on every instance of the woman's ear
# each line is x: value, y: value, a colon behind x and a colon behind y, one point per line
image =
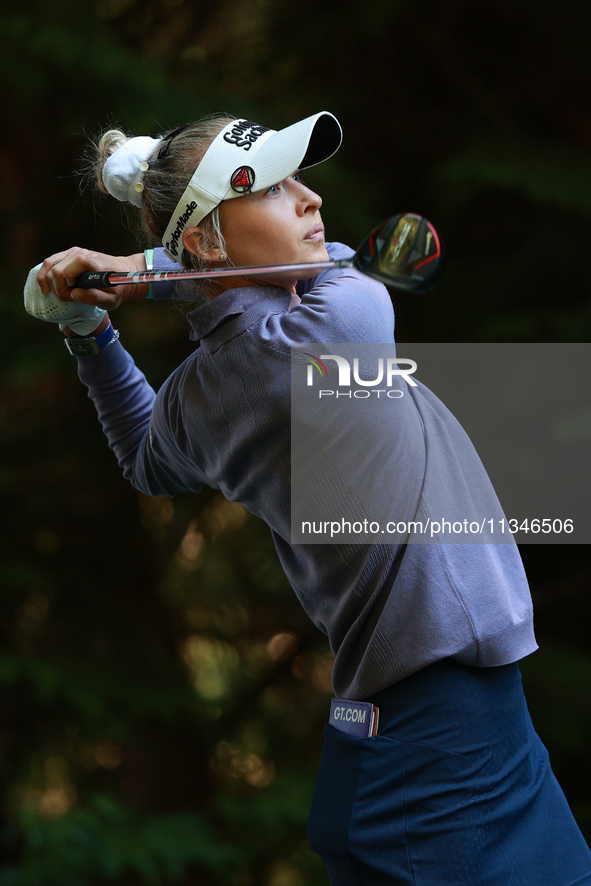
x: 193, y: 243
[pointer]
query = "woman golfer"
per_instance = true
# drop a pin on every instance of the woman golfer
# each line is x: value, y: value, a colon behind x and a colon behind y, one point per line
x: 455, y: 788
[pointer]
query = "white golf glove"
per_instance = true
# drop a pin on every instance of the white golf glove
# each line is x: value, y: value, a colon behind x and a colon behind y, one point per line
x: 80, y: 318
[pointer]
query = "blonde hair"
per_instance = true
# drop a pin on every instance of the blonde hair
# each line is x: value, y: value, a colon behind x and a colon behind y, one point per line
x: 171, y: 166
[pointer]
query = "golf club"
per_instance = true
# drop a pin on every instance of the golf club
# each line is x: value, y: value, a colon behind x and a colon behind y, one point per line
x: 404, y: 252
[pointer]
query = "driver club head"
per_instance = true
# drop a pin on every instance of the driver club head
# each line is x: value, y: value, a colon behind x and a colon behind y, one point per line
x: 405, y: 251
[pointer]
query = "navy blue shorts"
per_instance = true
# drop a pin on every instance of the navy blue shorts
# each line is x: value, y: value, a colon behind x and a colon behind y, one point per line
x: 455, y: 790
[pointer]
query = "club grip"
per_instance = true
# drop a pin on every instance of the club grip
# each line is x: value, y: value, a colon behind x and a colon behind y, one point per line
x: 93, y: 280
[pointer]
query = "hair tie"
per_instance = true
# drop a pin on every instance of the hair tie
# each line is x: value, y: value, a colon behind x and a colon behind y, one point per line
x: 123, y: 171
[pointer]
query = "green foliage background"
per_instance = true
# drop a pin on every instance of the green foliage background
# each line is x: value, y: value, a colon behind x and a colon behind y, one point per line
x: 162, y: 694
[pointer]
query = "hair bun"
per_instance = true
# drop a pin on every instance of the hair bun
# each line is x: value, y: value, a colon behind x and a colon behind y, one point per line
x: 123, y: 170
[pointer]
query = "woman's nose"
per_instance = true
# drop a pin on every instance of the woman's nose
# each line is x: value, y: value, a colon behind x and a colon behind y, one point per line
x: 307, y: 199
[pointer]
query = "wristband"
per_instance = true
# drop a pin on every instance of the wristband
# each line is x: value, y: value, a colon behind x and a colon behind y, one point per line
x: 149, y: 254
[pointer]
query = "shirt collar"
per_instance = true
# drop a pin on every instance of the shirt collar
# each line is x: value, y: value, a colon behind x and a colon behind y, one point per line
x: 207, y: 317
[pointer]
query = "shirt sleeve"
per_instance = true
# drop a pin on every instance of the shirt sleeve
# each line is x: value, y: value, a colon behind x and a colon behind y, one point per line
x: 345, y: 307
x: 339, y: 305
x: 157, y: 261
x: 136, y: 424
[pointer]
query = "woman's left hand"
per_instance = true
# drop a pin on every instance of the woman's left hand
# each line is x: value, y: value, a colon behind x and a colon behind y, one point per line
x: 58, y: 274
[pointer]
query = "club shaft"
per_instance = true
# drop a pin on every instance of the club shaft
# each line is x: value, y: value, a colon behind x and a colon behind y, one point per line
x: 102, y: 279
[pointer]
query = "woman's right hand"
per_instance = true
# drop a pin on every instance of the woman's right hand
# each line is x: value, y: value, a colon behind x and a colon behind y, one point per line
x: 59, y: 272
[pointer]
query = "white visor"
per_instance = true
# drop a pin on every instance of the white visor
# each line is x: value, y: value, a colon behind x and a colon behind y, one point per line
x: 245, y: 158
